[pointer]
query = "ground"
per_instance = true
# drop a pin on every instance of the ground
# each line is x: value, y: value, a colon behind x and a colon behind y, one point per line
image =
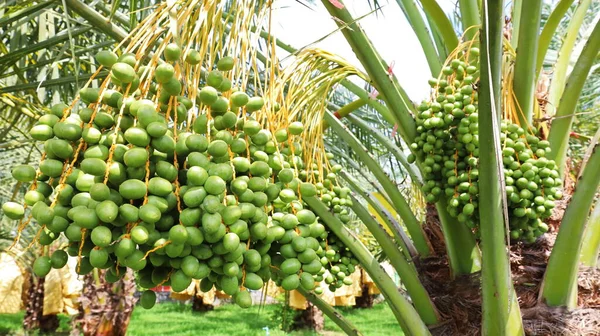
x: 227, y: 320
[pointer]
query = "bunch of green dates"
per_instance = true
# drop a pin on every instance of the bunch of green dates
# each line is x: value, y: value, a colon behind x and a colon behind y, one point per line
x: 447, y: 146
x: 149, y: 183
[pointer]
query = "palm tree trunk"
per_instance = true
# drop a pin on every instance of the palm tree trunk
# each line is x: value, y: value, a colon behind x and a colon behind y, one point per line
x: 365, y: 300
x: 105, y: 308
x: 198, y: 304
x: 34, y: 312
x: 311, y: 318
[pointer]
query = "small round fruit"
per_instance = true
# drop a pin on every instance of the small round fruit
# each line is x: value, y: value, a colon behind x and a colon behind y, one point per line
x: 89, y: 95
x: 133, y: 189
x: 172, y: 52
x: 214, y: 79
x: 208, y: 95
x: 243, y: 299
x: 59, y: 109
x: 42, y: 266
x: 178, y: 234
x: 290, y: 282
x: 225, y: 64
x: 215, y: 185
x: 139, y: 234
x: 148, y: 299
x: 123, y: 72
x: 164, y: 72
x: 193, y: 57
x: 106, y: 58
x: 23, y: 173
x: 59, y: 259
x: 239, y: 98
x: 255, y: 104
x: 101, y: 236
x: 296, y: 128
x: 98, y: 257
x: 13, y: 210
x: 180, y: 281
x: 41, y: 132
x: 253, y: 281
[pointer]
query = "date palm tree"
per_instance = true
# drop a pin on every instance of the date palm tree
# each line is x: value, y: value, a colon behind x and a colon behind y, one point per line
x: 458, y: 280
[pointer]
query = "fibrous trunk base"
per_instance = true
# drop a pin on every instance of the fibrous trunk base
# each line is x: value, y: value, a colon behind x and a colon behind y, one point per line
x: 459, y: 302
x: 198, y: 305
x: 543, y: 320
x: 105, y: 308
x: 365, y: 300
x: 34, y: 312
x: 311, y: 318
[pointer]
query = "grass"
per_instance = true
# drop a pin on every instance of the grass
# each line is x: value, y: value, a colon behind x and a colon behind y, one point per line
x: 227, y: 320
x: 11, y: 324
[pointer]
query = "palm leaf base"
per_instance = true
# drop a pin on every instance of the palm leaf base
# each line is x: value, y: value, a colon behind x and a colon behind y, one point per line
x: 459, y: 301
x: 585, y: 320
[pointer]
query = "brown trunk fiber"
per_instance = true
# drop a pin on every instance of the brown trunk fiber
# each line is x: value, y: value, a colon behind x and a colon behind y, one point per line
x: 459, y: 301
x: 365, y: 300
x: 105, y: 308
x: 198, y: 305
x: 34, y: 311
x: 311, y: 318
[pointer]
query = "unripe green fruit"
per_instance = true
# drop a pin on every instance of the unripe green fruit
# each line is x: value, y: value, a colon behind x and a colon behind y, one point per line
x: 180, y: 281
x: 253, y: 281
x: 89, y: 95
x: 41, y: 132
x: 148, y: 299
x: 239, y: 99
x: 164, y: 72
x: 225, y: 64
x: 290, y: 282
x: 159, y: 186
x: 124, y: 248
x: 86, y: 218
x: 98, y: 257
x: 172, y: 52
x: 13, y: 210
x: 255, y: 104
x: 291, y: 266
x: 42, y: 266
x: 23, y: 173
x: 106, y: 58
x: 193, y: 57
x: 123, y: 72
x: 178, y: 234
x: 139, y: 234
x: 172, y: 87
x: 214, y: 79
x: 59, y: 259
x: 101, y: 236
x: 229, y: 285
x: 132, y: 189
x: 296, y: 128
x: 149, y: 213
x: 215, y: 185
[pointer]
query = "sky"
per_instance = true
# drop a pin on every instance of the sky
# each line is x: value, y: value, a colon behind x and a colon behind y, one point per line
x: 388, y: 30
